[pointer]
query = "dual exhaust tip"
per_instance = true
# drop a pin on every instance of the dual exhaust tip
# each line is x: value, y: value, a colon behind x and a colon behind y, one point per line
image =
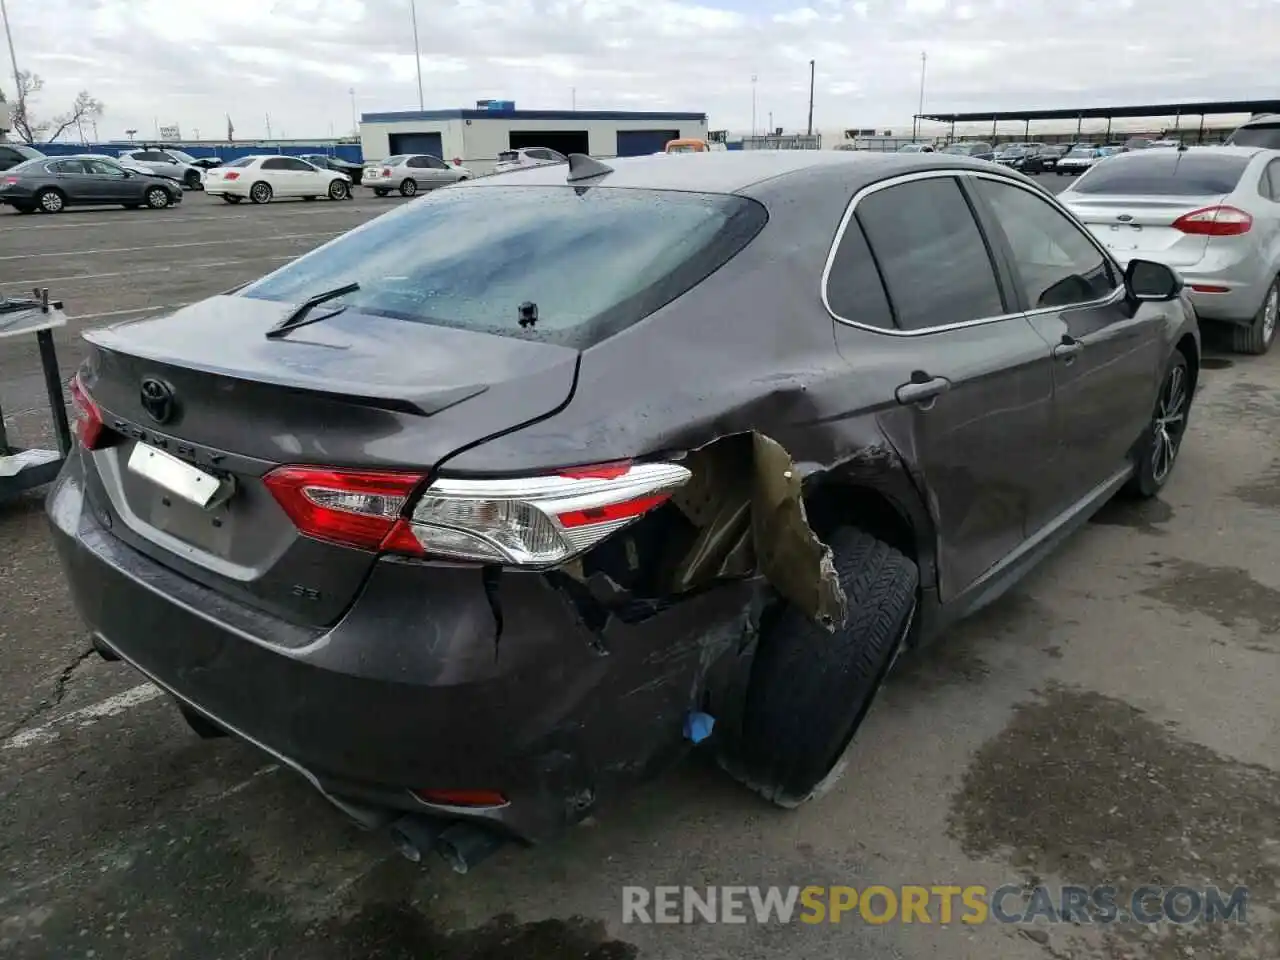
x: 463, y: 845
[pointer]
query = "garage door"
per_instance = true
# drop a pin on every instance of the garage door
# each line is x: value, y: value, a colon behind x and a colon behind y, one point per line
x: 637, y: 143
x: 428, y: 143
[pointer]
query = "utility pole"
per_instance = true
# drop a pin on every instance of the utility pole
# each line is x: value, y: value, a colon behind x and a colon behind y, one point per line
x: 355, y: 122
x: 770, y: 123
x: 17, y: 77
x: 753, y: 104
x: 268, y: 126
x: 417, y: 56
x: 915, y: 127
x: 811, y: 98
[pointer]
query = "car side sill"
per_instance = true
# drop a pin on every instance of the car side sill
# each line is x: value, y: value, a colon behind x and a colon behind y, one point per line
x: 1003, y: 575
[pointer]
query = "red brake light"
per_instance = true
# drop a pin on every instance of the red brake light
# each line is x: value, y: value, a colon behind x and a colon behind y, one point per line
x: 1222, y: 221
x: 10, y: 180
x: 386, y: 171
x: 231, y: 175
x: 89, y: 427
x: 349, y: 507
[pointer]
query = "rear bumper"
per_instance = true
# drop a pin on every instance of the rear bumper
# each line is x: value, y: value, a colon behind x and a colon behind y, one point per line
x: 1238, y: 289
x: 415, y: 688
x: 235, y: 188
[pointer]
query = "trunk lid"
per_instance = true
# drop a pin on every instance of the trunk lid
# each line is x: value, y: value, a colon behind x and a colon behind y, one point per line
x: 354, y: 390
x: 1142, y: 226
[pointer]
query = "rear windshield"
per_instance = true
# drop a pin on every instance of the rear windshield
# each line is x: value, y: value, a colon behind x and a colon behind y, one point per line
x: 1082, y: 151
x: 1172, y: 173
x: 1265, y: 135
x: 507, y: 155
x: 592, y: 261
x: 395, y: 161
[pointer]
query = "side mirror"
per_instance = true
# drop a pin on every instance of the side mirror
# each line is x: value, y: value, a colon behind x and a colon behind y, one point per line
x: 1151, y: 281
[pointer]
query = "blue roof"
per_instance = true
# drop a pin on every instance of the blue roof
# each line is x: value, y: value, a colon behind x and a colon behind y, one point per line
x: 400, y: 116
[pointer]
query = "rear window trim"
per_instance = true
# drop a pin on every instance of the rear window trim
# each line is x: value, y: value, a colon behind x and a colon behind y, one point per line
x: 962, y: 176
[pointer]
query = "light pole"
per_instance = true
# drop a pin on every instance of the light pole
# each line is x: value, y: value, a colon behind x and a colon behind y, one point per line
x: 17, y: 77
x: 811, y: 98
x: 417, y: 57
x: 915, y: 127
x: 355, y: 123
x: 753, y: 104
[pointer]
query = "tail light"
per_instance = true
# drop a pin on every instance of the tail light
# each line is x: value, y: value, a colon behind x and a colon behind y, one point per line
x: 11, y: 180
x: 386, y: 171
x: 462, y: 798
x: 538, y: 522
x: 457, y: 161
x: 233, y: 175
x: 1222, y: 221
x: 89, y: 427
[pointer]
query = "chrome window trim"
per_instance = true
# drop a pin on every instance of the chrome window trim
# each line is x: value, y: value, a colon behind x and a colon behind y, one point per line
x: 866, y: 191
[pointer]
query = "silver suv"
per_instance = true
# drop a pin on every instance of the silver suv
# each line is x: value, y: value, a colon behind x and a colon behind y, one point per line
x: 167, y: 163
x: 527, y: 157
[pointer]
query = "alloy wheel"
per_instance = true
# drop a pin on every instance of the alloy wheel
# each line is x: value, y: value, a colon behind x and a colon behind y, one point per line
x: 51, y: 202
x: 1169, y: 423
x: 1270, y: 310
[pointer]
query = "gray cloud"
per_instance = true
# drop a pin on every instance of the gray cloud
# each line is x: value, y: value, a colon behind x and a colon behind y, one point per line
x: 192, y: 61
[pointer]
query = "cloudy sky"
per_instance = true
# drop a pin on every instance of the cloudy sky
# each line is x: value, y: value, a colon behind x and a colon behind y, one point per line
x: 192, y: 62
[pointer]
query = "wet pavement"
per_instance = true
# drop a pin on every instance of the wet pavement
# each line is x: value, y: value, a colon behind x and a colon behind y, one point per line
x: 1112, y: 721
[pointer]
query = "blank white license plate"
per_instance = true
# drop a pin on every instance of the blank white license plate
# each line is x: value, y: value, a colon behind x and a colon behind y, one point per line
x: 177, y: 476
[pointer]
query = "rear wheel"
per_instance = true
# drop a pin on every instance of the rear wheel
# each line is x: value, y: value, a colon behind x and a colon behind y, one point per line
x: 408, y: 187
x: 260, y: 192
x: 1257, y: 336
x: 379, y: 192
x: 810, y: 690
x: 1161, y: 441
x: 338, y: 190
x: 158, y: 198
x: 51, y: 201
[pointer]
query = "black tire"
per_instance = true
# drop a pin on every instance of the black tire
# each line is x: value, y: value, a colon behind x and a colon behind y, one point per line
x: 379, y: 192
x: 229, y: 198
x: 51, y: 201
x: 810, y: 690
x: 338, y: 190
x: 1257, y: 336
x: 308, y: 198
x: 1156, y: 452
x: 408, y: 187
x: 204, y: 728
x: 158, y: 198
x: 261, y: 192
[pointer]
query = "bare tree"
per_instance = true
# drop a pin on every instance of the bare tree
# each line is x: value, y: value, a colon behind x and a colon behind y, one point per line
x: 85, y: 107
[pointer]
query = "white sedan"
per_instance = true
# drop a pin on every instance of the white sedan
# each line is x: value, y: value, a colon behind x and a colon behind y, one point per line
x: 263, y: 178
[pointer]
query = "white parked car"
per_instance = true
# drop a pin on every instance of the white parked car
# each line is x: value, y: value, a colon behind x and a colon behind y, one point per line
x: 408, y: 173
x: 263, y: 178
x: 527, y: 157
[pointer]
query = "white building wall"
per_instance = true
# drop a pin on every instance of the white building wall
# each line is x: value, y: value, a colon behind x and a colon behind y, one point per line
x: 375, y: 138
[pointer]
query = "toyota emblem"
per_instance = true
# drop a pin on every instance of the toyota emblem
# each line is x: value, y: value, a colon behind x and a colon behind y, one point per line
x: 158, y: 400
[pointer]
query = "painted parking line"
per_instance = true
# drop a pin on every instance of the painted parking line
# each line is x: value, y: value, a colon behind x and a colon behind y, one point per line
x: 84, y: 717
x: 173, y: 246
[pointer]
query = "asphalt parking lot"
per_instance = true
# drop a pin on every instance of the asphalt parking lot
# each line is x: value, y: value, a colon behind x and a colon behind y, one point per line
x: 1113, y: 720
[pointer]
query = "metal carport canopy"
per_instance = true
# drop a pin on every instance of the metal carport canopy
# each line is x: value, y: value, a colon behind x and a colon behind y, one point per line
x: 1203, y: 108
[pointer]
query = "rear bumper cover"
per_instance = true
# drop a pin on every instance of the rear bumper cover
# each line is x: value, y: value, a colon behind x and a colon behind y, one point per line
x: 415, y: 688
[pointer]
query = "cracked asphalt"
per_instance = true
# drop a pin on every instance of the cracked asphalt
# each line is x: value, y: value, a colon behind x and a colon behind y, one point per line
x: 1113, y: 720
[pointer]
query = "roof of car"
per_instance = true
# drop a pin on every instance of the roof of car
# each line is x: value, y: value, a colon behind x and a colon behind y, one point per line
x: 1215, y: 150
x: 730, y: 171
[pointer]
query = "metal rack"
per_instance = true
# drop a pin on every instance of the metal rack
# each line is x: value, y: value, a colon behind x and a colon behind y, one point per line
x: 25, y: 469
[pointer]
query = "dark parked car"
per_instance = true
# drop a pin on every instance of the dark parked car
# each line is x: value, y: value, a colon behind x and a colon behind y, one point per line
x: 207, y: 163
x: 353, y: 170
x: 53, y: 184
x: 978, y: 150
x: 562, y: 476
x: 1043, y: 160
x: 12, y: 154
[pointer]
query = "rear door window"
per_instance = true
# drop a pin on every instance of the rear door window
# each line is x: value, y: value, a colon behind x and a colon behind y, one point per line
x: 593, y: 262
x: 1058, y: 265
x: 1166, y: 173
x: 934, y: 259
x: 855, y: 292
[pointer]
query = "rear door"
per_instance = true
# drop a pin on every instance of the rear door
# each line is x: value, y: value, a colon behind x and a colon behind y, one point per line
x: 1133, y: 203
x: 1108, y: 356
x: 74, y: 180
x: 972, y: 380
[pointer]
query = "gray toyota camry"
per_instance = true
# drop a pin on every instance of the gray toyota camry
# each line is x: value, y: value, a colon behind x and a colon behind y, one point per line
x: 510, y: 497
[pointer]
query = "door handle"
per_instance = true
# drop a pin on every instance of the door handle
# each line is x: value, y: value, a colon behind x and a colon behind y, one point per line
x: 1068, y: 348
x: 922, y: 389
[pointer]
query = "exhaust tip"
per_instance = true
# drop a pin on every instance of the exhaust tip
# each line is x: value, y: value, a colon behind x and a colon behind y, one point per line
x: 413, y: 836
x: 463, y: 846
